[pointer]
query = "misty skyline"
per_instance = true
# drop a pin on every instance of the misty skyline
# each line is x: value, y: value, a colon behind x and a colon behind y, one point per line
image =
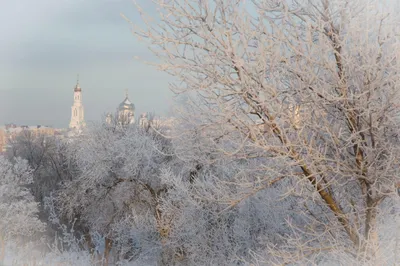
x: 47, y: 43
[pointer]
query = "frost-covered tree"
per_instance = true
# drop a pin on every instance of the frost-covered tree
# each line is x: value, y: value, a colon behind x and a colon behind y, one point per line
x: 118, y: 173
x: 205, y: 230
x: 18, y: 209
x: 308, y: 87
x: 47, y: 157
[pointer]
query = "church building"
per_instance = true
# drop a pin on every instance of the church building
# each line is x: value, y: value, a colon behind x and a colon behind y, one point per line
x: 77, y: 113
x: 126, y: 111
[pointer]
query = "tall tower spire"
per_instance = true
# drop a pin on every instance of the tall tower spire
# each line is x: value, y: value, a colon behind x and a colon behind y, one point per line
x: 77, y: 113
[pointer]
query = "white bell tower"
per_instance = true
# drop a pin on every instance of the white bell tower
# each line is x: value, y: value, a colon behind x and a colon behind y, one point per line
x: 77, y: 115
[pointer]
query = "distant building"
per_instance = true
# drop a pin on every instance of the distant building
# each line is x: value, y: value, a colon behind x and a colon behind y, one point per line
x: 3, y: 140
x: 77, y: 112
x: 156, y: 122
x: 126, y: 111
x: 11, y: 131
x: 109, y: 118
x: 143, y: 120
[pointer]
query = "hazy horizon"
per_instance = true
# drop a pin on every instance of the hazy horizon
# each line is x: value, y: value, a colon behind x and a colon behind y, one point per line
x: 46, y: 44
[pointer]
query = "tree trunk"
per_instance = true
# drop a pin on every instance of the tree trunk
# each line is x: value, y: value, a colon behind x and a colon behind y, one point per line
x: 89, y: 243
x: 93, y: 255
x: 107, y: 250
x: 371, y: 238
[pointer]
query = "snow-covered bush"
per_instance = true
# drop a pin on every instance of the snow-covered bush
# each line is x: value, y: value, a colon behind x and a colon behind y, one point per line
x: 18, y: 211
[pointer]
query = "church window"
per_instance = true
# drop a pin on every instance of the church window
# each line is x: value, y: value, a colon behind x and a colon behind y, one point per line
x: 75, y: 112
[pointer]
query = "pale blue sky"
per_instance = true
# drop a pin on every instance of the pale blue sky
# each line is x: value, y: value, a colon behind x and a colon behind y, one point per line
x: 45, y: 43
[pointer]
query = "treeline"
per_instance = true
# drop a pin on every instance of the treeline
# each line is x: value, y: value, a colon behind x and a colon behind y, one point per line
x: 128, y: 194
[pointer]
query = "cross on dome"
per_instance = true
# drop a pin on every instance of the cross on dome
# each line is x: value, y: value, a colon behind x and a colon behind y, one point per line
x: 77, y: 87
